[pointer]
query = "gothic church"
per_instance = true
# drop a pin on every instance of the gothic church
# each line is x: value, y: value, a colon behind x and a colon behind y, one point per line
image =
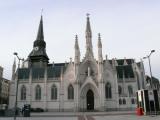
x: 87, y: 84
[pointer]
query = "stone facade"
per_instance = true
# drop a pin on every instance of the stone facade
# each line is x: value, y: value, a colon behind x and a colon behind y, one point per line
x: 79, y: 85
x: 4, y: 88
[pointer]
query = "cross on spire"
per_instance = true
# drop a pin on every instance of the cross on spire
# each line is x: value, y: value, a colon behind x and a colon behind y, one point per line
x: 87, y: 14
x: 41, y: 11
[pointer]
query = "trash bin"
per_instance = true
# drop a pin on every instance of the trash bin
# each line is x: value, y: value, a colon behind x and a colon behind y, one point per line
x: 26, y: 110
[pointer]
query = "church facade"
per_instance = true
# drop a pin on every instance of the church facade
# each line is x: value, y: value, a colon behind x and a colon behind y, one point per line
x: 78, y: 85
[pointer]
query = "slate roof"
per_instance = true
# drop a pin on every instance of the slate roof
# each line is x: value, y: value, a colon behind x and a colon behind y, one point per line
x: 23, y: 73
x: 38, y: 73
x: 121, y: 61
x: 54, y: 71
x: 125, y: 71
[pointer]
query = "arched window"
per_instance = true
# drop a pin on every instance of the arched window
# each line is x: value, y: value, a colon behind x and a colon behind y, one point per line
x: 53, y: 92
x: 108, y: 90
x: 23, y: 93
x: 120, y: 102
x: 119, y: 89
x: 132, y: 101
x: 130, y: 90
x: 124, y: 101
x: 38, y: 92
x: 70, y: 92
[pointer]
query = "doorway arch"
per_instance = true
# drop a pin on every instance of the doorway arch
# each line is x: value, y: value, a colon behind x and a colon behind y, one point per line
x: 90, y: 100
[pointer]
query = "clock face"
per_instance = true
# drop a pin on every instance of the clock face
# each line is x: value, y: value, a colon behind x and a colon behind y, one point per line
x: 36, y: 48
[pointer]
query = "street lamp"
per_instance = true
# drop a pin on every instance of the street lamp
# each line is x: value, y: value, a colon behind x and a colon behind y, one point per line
x: 148, y: 57
x: 19, y: 59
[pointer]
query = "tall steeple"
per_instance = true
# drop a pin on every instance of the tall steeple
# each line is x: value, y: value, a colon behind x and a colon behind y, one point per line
x: 89, y: 51
x: 40, y: 35
x: 88, y: 28
x: 38, y: 57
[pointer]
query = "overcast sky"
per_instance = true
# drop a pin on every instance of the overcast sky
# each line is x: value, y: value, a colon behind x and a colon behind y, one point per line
x: 129, y: 28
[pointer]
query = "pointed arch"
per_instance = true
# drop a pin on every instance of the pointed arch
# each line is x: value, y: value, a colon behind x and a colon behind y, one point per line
x: 108, y: 92
x: 130, y: 90
x: 38, y: 92
x: 70, y: 92
x: 124, y: 101
x: 119, y: 90
x: 120, y: 101
x: 53, y: 92
x: 23, y: 92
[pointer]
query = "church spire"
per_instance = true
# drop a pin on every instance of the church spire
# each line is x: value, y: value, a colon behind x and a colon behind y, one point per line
x: 88, y: 27
x: 40, y: 35
x: 38, y: 57
x: 89, y: 51
x: 39, y: 42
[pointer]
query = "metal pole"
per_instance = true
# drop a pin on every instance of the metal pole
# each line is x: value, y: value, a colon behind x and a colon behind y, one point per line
x: 19, y: 59
x: 150, y: 71
x: 148, y: 56
x: 15, y: 108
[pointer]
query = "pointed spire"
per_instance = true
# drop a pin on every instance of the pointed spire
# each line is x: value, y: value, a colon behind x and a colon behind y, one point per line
x: 39, y: 49
x: 40, y: 35
x: 76, y: 42
x: 116, y: 63
x: 106, y: 57
x: 113, y: 63
x: 77, y: 51
x: 125, y: 62
x: 99, y: 41
x: 89, y: 52
x: 88, y: 27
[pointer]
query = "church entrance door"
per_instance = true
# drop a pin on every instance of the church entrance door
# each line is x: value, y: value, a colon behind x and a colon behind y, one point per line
x: 90, y: 100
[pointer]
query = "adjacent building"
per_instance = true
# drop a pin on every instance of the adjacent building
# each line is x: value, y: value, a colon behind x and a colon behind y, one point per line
x: 81, y: 84
x: 155, y: 82
x: 4, y: 88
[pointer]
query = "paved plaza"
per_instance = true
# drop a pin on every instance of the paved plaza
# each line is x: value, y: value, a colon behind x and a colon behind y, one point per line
x: 85, y: 116
x: 109, y: 117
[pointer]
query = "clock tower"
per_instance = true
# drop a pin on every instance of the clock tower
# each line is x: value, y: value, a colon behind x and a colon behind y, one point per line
x: 38, y: 56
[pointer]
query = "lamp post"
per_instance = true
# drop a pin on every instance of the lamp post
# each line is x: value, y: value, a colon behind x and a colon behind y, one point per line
x: 19, y: 59
x: 149, y: 61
